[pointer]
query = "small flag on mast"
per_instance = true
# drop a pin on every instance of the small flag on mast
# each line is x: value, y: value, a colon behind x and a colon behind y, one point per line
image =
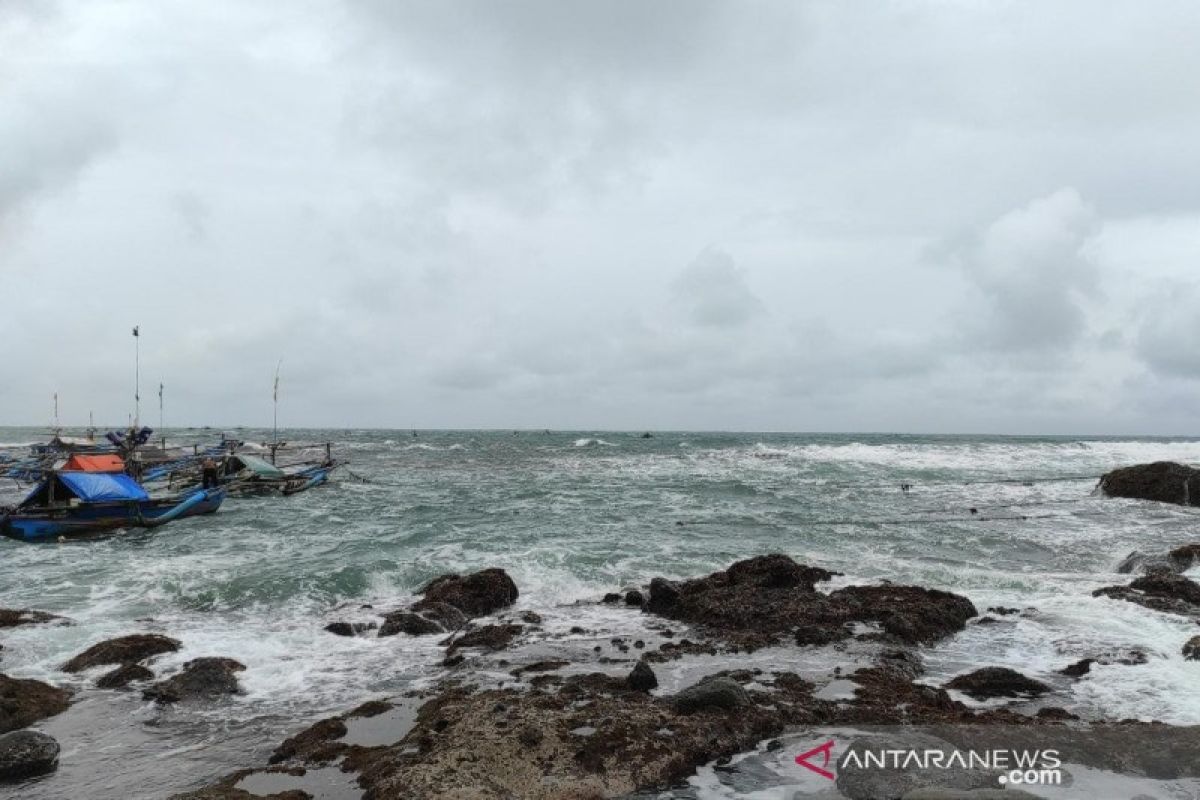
x: 135, y: 330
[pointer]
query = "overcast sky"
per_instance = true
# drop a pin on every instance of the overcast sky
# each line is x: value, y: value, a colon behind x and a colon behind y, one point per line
x: 942, y: 216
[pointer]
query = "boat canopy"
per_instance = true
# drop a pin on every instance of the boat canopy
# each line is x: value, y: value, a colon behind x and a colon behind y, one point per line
x: 104, y: 462
x: 90, y: 487
x: 261, y: 468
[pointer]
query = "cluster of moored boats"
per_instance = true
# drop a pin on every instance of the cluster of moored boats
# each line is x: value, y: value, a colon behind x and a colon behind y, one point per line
x: 87, y: 486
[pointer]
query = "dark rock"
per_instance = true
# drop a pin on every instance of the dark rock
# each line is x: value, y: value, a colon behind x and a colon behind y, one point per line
x: 444, y: 614
x: 634, y: 598
x: 1191, y: 650
x: 1159, y: 590
x: 996, y: 682
x: 12, y: 617
x: 1162, y: 481
x: 1003, y: 611
x: 349, y: 628
x: 24, y: 754
x: 531, y: 617
x: 987, y: 621
x: 760, y: 600
x: 1181, y: 559
x: 408, y: 622
x: 664, y: 595
x: 477, y: 594
x: 491, y: 637
x: 642, y: 678
x: 201, y: 678
x: 123, y: 650
x: 1078, y: 669
x: 611, y: 598
x: 310, y: 741
x: 24, y: 702
x: 720, y: 693
x: 124, y: 675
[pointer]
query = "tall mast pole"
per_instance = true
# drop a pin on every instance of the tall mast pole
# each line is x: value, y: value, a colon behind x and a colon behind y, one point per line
x: 275, y: 420
x: 137, y: 377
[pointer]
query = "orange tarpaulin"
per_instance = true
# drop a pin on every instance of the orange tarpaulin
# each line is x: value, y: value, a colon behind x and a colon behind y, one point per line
x: 97, y: 463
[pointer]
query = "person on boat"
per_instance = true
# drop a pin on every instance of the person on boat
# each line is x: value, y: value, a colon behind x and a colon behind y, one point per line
x: 208, y: 471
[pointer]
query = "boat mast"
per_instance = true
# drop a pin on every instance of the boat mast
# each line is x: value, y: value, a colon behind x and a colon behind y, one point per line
x: 275, y: 421
x: 137, y: 377
x: 161, y: 429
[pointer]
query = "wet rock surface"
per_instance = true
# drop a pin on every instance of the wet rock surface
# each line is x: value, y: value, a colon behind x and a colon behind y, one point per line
x: 408, y: 622
x: 1191, y: 650
x: 991, y: 682
x: 1181, y: 559
x: 201, y: 678
x: 770, y: 598
x: 12, y: 617
x: 1160, y: 590
x: 1162, y: 481
x: 477, y: 594
x: 490, y: 637
x: 122, y: 650
x: 641, y: 678
x: 124, y: 675
x: 24, y: 754
x: 25, y: 701
x: 349, y: 628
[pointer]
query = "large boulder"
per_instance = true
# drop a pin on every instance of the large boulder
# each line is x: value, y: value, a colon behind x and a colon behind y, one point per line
x: 475, y: 595
x: 989, y: 682
x: 122, y: 650
x: 201, y: 678
x: 24, y: 702
x: 763, y: 599
x: 1163, y: 481
x: 24, y: 754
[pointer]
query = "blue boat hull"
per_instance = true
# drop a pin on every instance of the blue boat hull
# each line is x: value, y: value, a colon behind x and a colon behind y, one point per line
x: 92, y: 518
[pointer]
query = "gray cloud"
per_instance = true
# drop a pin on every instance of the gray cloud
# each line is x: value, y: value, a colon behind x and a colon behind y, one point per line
x: 923, y: 216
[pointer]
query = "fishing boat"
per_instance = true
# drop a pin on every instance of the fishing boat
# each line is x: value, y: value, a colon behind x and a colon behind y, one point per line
x: 74, y: 503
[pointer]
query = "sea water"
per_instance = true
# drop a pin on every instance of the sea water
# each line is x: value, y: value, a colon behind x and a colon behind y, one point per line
x: 572, y: 515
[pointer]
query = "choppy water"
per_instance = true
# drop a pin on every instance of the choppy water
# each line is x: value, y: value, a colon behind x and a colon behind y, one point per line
x: 570, y: 516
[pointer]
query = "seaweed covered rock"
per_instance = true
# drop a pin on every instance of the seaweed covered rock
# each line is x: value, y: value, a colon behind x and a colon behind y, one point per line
x: 762, y: 599
x: 475, y: 595
x: 24, y: 754
x: 342, y: 628
x: 25, y: 701
x: 122, y: 650
x: 1162, y: 481
x: 201, y: 678
x: 711, y: 694
x: 991, y: 682
x: 1160, y: 590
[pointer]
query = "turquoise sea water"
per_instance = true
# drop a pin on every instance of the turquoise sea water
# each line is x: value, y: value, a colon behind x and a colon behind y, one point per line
x: 572, y: 515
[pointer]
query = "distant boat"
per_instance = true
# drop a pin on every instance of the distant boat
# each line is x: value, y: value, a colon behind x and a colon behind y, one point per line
x: 75, y: 503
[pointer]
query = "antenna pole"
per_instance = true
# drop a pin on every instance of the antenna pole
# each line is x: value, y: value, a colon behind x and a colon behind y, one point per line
x: 161, y: 430
x: 56, y: 425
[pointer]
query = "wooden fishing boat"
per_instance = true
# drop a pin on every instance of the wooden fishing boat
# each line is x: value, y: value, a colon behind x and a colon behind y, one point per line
x: 68, y: 504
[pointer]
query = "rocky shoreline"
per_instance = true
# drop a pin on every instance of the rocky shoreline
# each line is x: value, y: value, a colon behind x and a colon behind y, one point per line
x: 604, y: 723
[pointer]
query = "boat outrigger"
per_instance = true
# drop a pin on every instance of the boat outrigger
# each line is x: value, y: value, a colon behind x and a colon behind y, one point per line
x: 74, y: 503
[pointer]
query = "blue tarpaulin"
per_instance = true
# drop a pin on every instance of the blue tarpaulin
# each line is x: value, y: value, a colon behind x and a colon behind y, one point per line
x: 97, y: 486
